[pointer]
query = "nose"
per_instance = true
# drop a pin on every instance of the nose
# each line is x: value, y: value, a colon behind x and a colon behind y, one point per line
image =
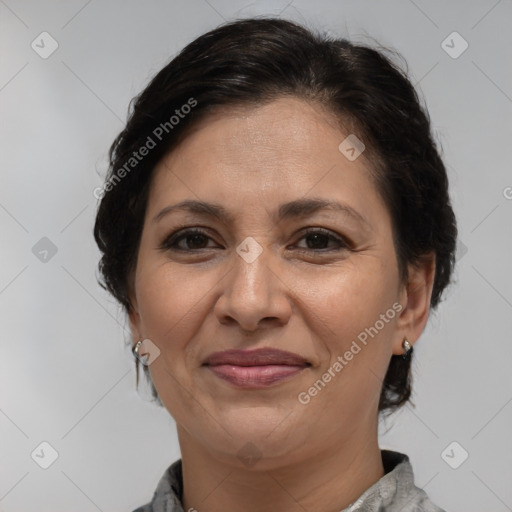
x: 254, y: 295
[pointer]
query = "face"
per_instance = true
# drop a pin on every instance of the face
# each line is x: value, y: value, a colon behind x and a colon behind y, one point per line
x: 272, y: 269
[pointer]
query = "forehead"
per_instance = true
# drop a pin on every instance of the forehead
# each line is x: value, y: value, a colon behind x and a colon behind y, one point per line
x: 279, y: 151
x: 286, y: 128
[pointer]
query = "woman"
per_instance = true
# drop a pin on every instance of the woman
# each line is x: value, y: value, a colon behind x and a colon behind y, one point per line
x: 275, y: 353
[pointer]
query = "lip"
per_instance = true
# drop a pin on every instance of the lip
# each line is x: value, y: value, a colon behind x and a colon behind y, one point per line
x: 256, y: 357
x: 255, y: 368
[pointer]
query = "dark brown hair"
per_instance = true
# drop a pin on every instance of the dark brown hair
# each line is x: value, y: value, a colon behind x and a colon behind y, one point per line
x: 251, y: 62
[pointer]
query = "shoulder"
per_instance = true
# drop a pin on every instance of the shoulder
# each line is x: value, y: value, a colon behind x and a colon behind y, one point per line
x: 400, y: 488
x: 395, y: 491
x: 168, y: 493
x: 144, y: 508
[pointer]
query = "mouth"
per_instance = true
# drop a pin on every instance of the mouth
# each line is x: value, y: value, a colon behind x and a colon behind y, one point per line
x: 255, y: 369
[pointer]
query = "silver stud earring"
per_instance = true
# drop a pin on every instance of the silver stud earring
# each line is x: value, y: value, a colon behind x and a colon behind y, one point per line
x: 146, y: 351
x: 135, y: 350
x: 407, y: 349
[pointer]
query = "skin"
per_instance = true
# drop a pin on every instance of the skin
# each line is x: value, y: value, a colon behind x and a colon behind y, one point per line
x: 309, y: 299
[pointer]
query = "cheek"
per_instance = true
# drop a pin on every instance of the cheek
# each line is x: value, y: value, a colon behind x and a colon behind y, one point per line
x: 354, y: 295
x: 174, y: 303
x: 351, y: 313
x: 166, y: 299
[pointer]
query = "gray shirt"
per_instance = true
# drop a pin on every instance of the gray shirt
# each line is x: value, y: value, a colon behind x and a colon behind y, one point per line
x: 394, y: 492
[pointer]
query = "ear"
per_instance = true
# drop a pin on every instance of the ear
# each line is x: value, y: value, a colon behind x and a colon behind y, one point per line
x: 415, y: 298
x: 135, y: 320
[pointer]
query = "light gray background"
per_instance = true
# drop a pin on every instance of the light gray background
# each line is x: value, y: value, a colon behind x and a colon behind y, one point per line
x: 65, y: 376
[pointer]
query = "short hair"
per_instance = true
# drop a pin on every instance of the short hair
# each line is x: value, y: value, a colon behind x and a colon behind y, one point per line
x: 254, y: 61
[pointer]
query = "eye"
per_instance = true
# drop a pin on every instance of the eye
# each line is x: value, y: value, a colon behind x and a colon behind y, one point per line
x: 194, y: 239
x: 319, y: 238
x: 197, y: 239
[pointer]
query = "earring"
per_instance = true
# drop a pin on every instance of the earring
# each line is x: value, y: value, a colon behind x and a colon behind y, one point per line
x: 407, y: 348
x: 135, y: 350
x: 145, y: 351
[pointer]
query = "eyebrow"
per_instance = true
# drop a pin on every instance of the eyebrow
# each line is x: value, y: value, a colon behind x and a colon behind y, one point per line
x: 292, y: 209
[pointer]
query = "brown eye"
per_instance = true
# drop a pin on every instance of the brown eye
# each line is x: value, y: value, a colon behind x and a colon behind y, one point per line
x: 191, y: 240
x: 195, y: 239
x: 318, y: 240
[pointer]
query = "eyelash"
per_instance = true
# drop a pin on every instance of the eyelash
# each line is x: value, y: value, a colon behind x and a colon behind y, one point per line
x: 171, y: 241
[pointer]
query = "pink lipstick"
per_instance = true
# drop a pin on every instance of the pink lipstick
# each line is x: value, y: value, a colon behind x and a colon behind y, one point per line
x: 255, y: 368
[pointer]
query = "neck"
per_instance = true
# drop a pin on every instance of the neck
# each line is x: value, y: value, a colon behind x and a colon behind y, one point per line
x: 328, y: 480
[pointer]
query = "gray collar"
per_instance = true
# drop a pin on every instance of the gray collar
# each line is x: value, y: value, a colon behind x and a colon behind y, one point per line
x: 394, y: 492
